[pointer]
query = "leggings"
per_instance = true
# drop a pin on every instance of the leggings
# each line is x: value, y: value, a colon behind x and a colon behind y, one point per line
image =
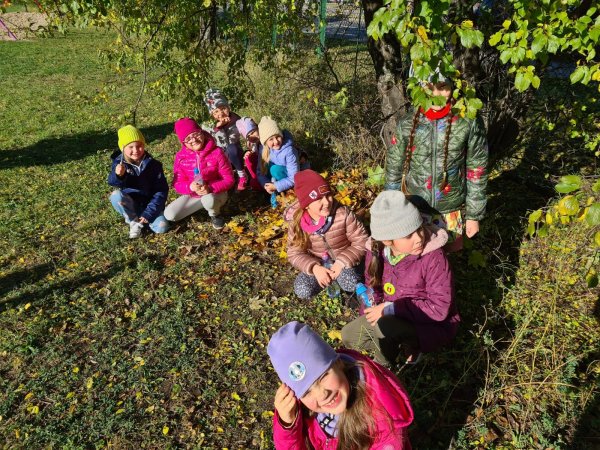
x: 306, y: 286
x: 187, y: 205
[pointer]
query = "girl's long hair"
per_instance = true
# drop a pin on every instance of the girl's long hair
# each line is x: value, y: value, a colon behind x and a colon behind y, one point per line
x: 264, y: 158
x: 357, y: 426
x: 409, y: 151
x: 375, y: 269
x: 300, y: 238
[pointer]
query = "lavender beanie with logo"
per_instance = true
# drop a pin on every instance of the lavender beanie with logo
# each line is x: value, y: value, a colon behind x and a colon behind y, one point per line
x: 299, y: 356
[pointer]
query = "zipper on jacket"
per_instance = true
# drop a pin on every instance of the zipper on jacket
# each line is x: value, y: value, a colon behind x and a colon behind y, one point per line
x: 433, y: 164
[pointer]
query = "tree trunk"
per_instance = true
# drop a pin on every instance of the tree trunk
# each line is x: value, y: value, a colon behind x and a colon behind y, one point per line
x: 386, y: 54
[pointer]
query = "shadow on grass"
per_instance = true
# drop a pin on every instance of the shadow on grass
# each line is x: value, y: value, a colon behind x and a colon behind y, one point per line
x: 36, y: 275
x: 587, y: 435
x: 70, y: 148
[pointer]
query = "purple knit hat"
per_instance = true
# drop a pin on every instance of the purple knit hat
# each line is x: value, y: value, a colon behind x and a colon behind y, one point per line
x: 184, y: 127
x: 245, y: 125
x: 299, y: 356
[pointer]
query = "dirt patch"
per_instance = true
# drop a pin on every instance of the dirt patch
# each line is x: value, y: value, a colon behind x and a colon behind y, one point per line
x: 21, y: 25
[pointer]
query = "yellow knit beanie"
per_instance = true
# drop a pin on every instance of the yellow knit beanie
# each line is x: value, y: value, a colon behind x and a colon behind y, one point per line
x: 128, y: 134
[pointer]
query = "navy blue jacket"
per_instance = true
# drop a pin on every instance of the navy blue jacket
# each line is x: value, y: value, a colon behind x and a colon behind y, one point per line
x: 145, y: 183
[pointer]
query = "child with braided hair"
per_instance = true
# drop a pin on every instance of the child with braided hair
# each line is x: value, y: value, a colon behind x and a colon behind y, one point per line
x: 442, y: 158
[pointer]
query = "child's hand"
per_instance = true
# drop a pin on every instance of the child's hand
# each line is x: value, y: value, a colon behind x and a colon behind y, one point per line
x: 286, y: 405
x: 336, y: 269
x: 223, y: 121
x: 120, y: 169
x: 204, y: 189
x: 374, y: 313
x: 472, y: 227
x: 323, y: 275
x: 270, y: 188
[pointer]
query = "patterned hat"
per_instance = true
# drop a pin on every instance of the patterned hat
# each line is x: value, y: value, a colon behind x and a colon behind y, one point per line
x: 215, y: 98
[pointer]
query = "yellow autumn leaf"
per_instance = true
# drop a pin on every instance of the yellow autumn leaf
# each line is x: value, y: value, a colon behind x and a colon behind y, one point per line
x: 165, y: 430
x: 119, y: 411
x: 235, y: 396
x: 283, y: 254
x: 335, y: 335
x: 27, y: 306
x: 89, y: 383
x: 33, y: 409
x: 267, y: 414
x: 422, y: 32
x: 220, y: 430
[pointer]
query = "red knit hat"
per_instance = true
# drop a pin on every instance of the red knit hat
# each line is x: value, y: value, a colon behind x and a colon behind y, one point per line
x: 310, y: 186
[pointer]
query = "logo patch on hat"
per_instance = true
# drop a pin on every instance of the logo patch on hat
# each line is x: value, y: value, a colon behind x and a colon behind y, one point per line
x: 323, y: 189
x: 296, y: 371
x: 313, y: 195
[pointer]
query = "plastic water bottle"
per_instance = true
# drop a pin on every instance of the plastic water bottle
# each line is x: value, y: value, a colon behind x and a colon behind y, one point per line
x: 333, y: 290
x: 365, y: 295
x: 198, y: 176
x: 273, y: 197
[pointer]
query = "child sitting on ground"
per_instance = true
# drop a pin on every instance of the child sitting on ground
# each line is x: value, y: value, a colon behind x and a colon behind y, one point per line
x: 202, y: 175
x: 279, y: 160
x: 248, y: 129
x: 225, y: 132
x: 142, y: 187
x: 319, y: 225
x: 334, y: 400
x: 407, y: 269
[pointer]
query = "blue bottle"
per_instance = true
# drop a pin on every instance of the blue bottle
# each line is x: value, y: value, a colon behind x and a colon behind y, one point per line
x: 365, y: 295
x: 333, y: 290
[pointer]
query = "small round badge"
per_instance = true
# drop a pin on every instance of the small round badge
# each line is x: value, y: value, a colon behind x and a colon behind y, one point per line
x: 389, y: 288
x: 296, y: 371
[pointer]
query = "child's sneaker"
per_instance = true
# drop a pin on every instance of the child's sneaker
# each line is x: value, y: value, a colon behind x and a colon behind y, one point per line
x: 217, y: 222
x: 242, y: 181
x: 135, y: 229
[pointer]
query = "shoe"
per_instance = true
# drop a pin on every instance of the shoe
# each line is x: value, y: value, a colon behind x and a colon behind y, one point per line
x: 217, y: 222
x: 135, y: 229
x: 413, y: 359
x: 242, y: 183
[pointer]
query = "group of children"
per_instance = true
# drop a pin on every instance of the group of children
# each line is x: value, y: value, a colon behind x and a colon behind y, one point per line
x: 434, y: 193
x: 203, y: 171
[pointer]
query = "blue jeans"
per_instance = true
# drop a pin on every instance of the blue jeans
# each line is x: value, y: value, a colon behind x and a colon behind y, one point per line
x: 126, y: 206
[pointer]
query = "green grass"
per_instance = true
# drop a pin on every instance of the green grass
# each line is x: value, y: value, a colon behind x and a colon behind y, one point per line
x: 160, y: 342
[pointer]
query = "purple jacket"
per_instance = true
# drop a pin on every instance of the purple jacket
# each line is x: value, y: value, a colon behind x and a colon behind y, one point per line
x: 387, y: 395
x: 422, y: 291
x: 212, y: 163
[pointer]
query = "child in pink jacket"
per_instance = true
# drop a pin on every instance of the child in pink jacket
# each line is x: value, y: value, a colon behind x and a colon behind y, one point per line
x: 202, y: 175
x: 334, y: 400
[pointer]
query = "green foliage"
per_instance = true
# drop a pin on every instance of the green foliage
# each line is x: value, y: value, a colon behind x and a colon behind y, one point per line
x: 524, y: 33
x: 184, y: 41
x: 376, y: 176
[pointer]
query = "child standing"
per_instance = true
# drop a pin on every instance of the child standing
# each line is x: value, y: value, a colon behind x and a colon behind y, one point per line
x: 407, y: 268
x: 320, y: 226
x: 225, y: 132
x: 202, y: 175
x: 142, y: 187
x: 334, y: 400
x: 442, y: 158
x: 248, y: 129
x: 279, y: 159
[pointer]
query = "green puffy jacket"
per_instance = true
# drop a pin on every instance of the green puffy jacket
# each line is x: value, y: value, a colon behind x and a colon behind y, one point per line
x: 466, y: 166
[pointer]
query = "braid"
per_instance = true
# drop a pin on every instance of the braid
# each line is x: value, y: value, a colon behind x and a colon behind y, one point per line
x: 375, y: 269
x: 409, y: 152
x: 446, y: 145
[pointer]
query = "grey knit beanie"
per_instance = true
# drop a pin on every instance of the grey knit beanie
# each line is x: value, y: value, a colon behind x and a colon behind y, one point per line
x: 393, y: 216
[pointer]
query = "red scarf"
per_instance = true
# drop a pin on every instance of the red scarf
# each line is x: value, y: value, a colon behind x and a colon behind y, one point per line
x: 436, y: 115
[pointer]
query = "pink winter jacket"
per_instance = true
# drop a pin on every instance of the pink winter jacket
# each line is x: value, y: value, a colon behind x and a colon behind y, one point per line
x: 214, y: 167
x: 387, y: 393
x: 344, y: 240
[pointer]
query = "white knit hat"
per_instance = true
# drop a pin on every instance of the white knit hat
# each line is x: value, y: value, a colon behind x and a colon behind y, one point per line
x: 393, y: 216
x: 267, y: 127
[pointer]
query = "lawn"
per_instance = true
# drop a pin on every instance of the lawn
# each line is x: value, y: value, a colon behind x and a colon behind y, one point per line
x: 160, y: 342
